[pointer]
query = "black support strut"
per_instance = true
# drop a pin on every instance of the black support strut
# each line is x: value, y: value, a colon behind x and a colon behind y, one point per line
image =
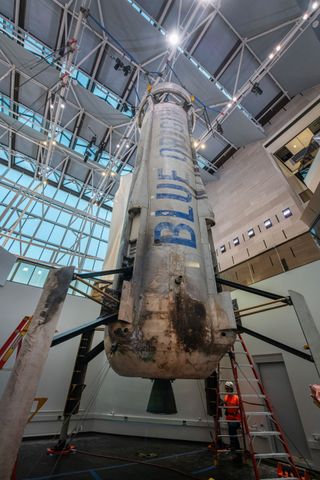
x: 255, y: 291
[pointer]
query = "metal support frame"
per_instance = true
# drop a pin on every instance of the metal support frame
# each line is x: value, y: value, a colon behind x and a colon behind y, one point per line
x: 275, y: 343
x: 255, y: 291
x: 87, y: 327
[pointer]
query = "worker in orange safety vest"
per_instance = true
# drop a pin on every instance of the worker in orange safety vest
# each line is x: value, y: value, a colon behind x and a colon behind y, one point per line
x: 232, y: 414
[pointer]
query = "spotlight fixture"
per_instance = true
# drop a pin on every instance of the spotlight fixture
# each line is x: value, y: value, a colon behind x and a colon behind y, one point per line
x: 173, y: 39
x: 126, y: 70
x: 219, y: 128
x: 256, y: 89
x: 118, y: 64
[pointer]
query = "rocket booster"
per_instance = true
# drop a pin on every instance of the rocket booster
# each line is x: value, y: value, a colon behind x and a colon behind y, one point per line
x: 172, y: 322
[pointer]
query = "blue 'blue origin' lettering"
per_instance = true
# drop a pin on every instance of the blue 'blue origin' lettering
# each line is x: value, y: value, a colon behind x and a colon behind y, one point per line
x: 175, y: 213
x: 174, y: 196
x: 173, y: 153
x: 174, y: 234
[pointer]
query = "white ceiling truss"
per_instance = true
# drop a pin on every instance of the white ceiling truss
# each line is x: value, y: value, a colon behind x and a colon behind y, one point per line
x: 91, y: 39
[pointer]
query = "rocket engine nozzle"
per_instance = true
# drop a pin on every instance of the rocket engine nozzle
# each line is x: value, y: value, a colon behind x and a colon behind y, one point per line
x: 161, y: 398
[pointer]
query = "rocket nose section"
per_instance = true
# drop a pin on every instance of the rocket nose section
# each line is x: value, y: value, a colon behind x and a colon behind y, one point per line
x: 162, y: 397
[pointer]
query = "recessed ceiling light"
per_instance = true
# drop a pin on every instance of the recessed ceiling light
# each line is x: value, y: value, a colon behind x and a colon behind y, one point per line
x: 202, y: 146
x: 278, y: 48
x: 294, y: 146
x: 54, y: 142
x: 25, y: 269
x: 315, y: 5
x: 229, y: 105
x: 234, y: 99
x: 195, y: 144
x: 51, y: 105
x: 305, y: 16
x: 173, y: 39
x: 62, y: 105
x: 127, y: 145
x: 104, y: 174
x: 39, y: 272
x: 44, y: 142
x: 271, y: 56
x: 118, y: 145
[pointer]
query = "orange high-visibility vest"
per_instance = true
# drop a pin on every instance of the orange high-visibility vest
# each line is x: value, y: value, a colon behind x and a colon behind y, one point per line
x: 234, y: 412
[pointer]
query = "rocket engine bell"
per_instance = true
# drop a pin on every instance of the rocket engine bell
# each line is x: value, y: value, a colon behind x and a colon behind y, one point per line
x: 172, y: 322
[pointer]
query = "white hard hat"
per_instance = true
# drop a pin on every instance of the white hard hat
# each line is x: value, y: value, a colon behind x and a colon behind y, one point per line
x: 228, y: 384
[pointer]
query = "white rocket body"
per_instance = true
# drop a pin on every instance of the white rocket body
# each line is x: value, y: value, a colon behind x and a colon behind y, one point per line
x: 172, y: 322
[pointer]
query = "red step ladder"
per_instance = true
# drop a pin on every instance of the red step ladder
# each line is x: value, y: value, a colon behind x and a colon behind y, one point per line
x: 14, y: 341
x: 252, y: 406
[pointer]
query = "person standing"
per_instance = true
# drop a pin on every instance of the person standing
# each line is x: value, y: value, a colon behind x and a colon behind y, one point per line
x: 233, y: 416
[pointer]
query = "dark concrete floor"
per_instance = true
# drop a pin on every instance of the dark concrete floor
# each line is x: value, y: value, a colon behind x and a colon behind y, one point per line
x: 194, y: 460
